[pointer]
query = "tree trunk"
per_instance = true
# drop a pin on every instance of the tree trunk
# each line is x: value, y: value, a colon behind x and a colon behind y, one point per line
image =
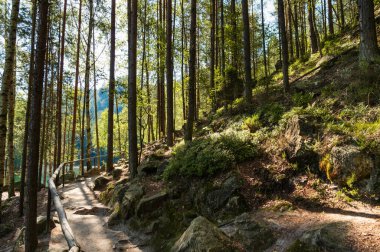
x: 27, y: 116
x: 247, y: 53
x: 111, y: 92
x: 263, y: 34
x: 59, y: 89
x: 8, y: 78
x: 95, y: 101
x: 87, y: 84
x: 296, y: 31
x: 169, y: 74
x: 73, y: 129
x: 10, y: 145
x: 342, y: 19
x: 284, y: 43
x: 34, y: 130
x: 192, y: 73
x: 212, y: 55
x: 313, y: 35
x: 132, y: 58
x: 330, y: 17
x: 368, y: 50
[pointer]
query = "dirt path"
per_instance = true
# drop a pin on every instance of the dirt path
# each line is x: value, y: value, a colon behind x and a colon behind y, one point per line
x: 88, y: 220
x: 362, y: 232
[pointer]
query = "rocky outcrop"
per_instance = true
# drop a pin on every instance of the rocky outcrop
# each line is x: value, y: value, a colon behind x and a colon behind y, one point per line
x: 155, y: 164
x: 329, y: 237
x: 249, y: 233
x: 347, y: 164
x: 151, y: 203
x: 221, y: 201
x: 202, y: 235
x: 100, y: 182
x: 130, y: 199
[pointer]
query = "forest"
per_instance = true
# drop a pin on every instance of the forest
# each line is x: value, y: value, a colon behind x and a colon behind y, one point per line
x: 201, y: 125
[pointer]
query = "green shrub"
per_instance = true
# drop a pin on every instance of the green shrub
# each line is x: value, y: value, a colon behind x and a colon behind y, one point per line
x: 209, y: 155
x: 301, y: 100
x: 272, y: 113
x: 252, y: 123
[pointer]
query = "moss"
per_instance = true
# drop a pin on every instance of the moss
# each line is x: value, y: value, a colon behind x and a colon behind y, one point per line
x: 326, y: 166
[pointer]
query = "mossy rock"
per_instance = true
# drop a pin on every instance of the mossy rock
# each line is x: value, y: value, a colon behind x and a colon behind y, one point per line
x: 346, y: 165
x: 329, y: 237
x: 116, y: 173
x: 101, y: 182
x: 151, y: 203
x: 202, y: 235
x: 253, y: 236
x: 130, y: 199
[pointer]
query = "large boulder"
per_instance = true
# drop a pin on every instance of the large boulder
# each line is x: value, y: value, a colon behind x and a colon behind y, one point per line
x: 151, y: 203
x: 100, y: 182
x: 116, y: 173
x: 130, y: 199
x: 328, y: 237
x: 202, y: 235
x: 346, y: 165
x: 221, y: 200
x: 249, y: 233
x: 152, y: 165
x: 297, y: 137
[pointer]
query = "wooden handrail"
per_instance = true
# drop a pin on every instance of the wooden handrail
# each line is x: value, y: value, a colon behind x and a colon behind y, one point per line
x: 54, y: 196
x: 66, y: 229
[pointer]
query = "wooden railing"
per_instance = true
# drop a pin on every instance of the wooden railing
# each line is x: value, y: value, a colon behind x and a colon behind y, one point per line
x: 54, y: 196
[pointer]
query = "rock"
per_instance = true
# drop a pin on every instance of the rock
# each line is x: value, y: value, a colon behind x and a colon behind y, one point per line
x: 42, y: 222
x: 115, y: 216
x: 297, y: 142
x: 116, y: 173
x: 118, y: 193
x: 216, y: 199
x: 101, y: 211
x: 148, y: 167
x: 249, y: 233
x: 100, y: 182
x: 329, y: 237
x: 346, y: 165
x: 161, y: 168
x: 5, y: 229
x: 130, y: 199
x: 202, y: 235
x: 150, y: 204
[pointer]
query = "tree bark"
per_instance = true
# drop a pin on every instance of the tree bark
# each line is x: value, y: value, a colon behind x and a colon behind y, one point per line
x: 330, y: 17
x: 313, y: 35
x: 284, y: 43
x: 169, y: 74
x: 368, y: 49
x: 59, y: 89
x: 247, y: 53
x: 8, y: 78
x: 10, y: 145
x: 34, y: 130
x: 263, y: 38
x: 132, y: 58
x: 27, y: 116
x: 192, y: 71
x: 87, y: 84
x: 111, y: 92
